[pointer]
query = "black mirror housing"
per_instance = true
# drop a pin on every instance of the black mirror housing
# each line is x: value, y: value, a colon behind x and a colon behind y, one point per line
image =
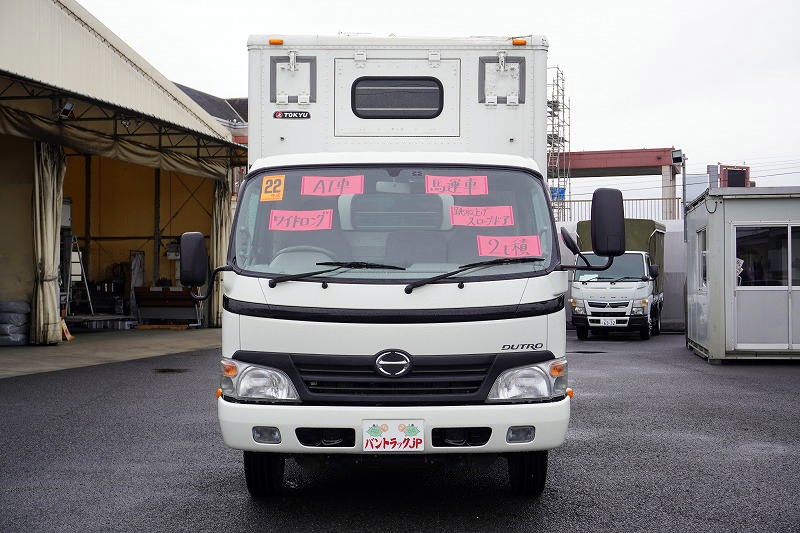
x: 608, y: 223
x: 194, y: 259
x: 655, y: 270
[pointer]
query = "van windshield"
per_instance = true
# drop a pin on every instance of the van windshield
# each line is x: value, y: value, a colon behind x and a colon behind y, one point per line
x: 627, y: 266
x: 426, y: 219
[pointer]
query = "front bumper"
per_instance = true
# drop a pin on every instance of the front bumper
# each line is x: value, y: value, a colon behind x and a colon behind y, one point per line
x: 237, y: 420
x: 622, y: 322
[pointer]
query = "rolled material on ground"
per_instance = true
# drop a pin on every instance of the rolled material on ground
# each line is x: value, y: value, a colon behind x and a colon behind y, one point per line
x: 15, y: 319
x: 17, y: 339
x: 11, y: 329
x: 15, y: 306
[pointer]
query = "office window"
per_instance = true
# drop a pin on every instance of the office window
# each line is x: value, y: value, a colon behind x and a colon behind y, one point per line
x: 702, y: 258
x: 763, y: 253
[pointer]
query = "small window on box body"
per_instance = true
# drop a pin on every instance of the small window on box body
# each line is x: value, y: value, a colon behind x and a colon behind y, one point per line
x: 702, y: 261
x: 397, y: 97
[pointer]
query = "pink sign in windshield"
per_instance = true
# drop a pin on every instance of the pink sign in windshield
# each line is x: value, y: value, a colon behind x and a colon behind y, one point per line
x: 511, y: 246
x: 282, y: 220
x: 482, y: 216
x: 457, y: 185
x: 332, y: 185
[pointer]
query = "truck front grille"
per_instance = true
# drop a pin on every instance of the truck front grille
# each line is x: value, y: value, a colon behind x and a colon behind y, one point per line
x: 608, y: 313
x: 613, y: 305
x: 355, y: 376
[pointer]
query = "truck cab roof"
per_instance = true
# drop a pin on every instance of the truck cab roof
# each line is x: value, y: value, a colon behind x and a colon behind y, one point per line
x: 454, y: 158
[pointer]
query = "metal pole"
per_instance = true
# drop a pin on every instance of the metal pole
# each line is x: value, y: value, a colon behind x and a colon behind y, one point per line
x: 157, y: 226
x: 87, y: 212
x: 683, y: 197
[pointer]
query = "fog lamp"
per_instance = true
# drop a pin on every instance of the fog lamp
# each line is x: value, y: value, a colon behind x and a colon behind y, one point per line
x: 266, y: 434
x: 519, y: 434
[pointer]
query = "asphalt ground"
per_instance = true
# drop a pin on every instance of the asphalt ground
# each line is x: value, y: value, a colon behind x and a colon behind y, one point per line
x: 659, y: 441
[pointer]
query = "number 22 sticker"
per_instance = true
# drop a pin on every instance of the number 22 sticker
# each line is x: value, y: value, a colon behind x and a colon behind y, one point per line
x: 272, y: 188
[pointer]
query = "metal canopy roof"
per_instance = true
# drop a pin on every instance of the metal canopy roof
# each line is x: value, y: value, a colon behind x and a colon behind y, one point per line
x: 67, y: 78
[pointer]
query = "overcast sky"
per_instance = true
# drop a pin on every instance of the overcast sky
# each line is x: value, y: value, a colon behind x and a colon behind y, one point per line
x: 719, y: 79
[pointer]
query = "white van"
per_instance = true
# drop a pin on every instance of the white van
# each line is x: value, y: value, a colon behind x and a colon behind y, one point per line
x: 394, y: 287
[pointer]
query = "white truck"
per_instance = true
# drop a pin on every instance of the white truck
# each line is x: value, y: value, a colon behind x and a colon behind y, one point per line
x: 628, y: 296
x: 394, y: 289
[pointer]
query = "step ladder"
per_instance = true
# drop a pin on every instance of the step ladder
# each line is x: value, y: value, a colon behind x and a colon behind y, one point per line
x: 77, y: 274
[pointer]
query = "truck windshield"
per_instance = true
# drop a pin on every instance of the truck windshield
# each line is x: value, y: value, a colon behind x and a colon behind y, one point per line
x: 627, y: 266
x: 426, y: 219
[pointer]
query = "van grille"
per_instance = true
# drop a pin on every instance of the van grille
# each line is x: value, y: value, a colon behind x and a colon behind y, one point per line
x: 613, y: 305
x: 355, y: 376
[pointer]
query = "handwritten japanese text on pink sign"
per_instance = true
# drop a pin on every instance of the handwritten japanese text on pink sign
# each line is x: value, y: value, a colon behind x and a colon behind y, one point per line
x: 332, y: 185
x: 282, y: 220
x: 457, y: 185
x: 482, y: 216
x: 510, y: 246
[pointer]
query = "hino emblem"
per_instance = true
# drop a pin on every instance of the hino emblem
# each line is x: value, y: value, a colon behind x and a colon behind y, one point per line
x: 392, y: 363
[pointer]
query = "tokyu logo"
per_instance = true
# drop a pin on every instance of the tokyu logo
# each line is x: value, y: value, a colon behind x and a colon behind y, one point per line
x: 291, y: 114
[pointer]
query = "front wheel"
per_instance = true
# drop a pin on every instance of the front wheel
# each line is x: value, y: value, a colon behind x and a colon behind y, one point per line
x: 263, y: 473
x: 527, y: 472
x: 583, y: 332
x: 644, y: 333
x: 657, y: 323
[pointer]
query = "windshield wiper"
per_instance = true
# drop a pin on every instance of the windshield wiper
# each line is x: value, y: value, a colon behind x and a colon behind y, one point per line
x: 337, y: 265
x: 359, y: 264
x: 463, y: 268
x: 626, y: 277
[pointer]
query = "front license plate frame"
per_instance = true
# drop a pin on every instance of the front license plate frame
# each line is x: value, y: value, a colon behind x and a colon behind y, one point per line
x: 402, y: 435
x: 608, y: 321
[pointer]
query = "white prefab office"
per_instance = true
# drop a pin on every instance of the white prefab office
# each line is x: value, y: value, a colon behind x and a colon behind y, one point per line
x: 743, y: 273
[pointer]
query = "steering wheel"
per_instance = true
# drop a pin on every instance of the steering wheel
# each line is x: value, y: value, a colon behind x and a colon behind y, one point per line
x: 305, y: 248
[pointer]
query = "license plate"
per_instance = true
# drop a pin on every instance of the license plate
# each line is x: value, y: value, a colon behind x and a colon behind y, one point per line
x: 393, y: 436
x: 608, y: 322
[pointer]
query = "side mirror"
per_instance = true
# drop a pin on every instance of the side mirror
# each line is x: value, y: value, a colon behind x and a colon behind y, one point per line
x: 608, y: 223
x: 194, y: 259
x: 569, y: 242
x: 654, y: 271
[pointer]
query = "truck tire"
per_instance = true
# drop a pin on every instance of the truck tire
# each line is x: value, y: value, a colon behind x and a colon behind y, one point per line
x: 583, y: 332
x: 527, y: 472
x: 263, y: 473
x: 644, y: 333
x: 657, y: 323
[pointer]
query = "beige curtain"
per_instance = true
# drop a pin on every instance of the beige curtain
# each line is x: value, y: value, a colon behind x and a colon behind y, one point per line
x: 48, y: 181
x: 220, y: 231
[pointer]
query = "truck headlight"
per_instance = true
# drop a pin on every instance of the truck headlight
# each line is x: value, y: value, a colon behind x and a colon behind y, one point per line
x: 541, y: 381
x: 254, y: 382
x: 639, y: 307
x: 577, y: 307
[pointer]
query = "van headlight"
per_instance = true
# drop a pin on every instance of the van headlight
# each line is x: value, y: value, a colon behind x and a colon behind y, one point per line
x: 577, y: 307
x: 542, y: 381
x: 639, y: 307
x: 253, y: 382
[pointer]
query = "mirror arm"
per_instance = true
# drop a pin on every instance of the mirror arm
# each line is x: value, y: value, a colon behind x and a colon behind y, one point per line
x: 202, y: 298
x: 588, y: 266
